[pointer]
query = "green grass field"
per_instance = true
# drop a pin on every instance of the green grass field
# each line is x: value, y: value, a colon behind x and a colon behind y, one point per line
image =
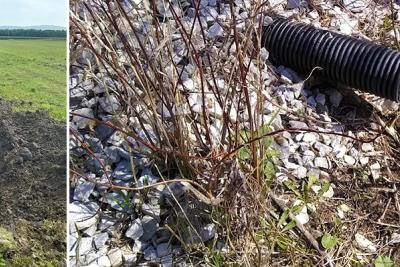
x: 34, y: 71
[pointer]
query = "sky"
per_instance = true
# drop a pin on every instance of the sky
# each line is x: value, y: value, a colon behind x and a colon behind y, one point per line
x: 33, y: 12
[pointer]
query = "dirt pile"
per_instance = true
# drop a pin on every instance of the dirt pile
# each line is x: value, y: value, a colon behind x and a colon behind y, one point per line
x: 32, y: 167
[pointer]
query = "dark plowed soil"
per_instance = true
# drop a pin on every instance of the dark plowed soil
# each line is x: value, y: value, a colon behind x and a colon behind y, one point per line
x: 32, y: 167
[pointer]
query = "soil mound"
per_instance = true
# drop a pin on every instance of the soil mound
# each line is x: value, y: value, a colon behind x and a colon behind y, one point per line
x: 32, y: 167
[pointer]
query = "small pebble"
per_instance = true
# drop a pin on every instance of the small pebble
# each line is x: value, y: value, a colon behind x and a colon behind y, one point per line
x: 309, y: 138
x: 150, y: 253
x: 302, y: 216
x: 321, y: 162
x: 375, y: 170
x: 364, y: 161
x: 349, y: 160
x: 364, y: 244
x: 320, y: 98
x: 366, y: 147
x: 215, y: 31
x: 163, y: 249
x: 300, y: 172
x: 135, y: 230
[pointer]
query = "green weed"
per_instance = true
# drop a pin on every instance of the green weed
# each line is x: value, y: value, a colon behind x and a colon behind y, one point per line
x: 38, y: 246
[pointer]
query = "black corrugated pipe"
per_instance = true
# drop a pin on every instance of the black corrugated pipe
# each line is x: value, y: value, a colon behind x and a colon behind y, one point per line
x: 354, y: 62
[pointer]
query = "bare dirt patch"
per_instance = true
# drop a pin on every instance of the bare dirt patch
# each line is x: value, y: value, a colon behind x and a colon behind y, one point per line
x: 32, y: 172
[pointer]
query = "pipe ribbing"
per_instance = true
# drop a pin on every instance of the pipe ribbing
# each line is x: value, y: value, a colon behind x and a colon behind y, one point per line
x: 357, y: 63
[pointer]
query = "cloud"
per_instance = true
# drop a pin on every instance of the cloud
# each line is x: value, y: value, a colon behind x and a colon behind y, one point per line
x: 33, y: 12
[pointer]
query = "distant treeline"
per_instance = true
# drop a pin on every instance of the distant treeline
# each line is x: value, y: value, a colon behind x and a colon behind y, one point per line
x: 32, y: 33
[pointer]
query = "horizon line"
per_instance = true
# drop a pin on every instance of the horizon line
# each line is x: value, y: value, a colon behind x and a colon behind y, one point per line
x: 4, y: 25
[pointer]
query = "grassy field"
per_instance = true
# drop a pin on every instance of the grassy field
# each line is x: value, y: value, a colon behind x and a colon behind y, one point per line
x: 34, y: 72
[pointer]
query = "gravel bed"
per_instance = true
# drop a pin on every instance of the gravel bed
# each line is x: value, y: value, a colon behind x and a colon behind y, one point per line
x: 131, y: 228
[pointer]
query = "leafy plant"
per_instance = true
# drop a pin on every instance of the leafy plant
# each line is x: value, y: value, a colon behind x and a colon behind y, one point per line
x: 383, y: 261
x: 2, y: 261
x: 217, y: 259
x: 292, y: 187
x: 312, y: 179
x: 289, y: 226
x: 329, y: 241
x: 125, y: 201
x: 325, y: 187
